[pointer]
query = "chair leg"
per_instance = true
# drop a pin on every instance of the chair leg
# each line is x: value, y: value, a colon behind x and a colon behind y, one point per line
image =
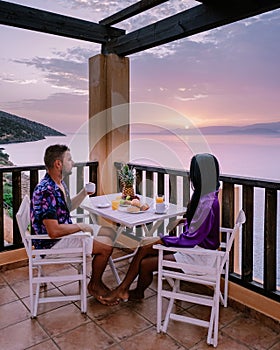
x: 31, y: 296
x: 159, y: 304
x: 114, y: 270
x: 36, y: 297
x: 84, y: 287
x: 175, y: 288
x: 167, y: 315
x: 213, y: 330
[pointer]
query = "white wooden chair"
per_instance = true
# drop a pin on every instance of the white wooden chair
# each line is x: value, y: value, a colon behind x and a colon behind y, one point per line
x: 38, y: 258
x: 175, y: 272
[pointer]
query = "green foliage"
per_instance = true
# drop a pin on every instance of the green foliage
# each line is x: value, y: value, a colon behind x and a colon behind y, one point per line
x: 126, y: 175
x: 8, y: 198
x: 14, y: 129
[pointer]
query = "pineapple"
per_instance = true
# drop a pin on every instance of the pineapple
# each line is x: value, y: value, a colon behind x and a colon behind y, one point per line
x: 127, y: 176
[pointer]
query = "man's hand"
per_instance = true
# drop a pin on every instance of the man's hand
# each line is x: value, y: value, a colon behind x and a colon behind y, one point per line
x: 85, y: 227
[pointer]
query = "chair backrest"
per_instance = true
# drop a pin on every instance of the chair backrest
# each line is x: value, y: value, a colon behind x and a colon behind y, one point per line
x: 241, y: 218
x: 23, y: 220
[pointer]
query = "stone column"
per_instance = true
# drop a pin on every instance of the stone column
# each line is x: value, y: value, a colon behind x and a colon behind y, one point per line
x: 108, y: 116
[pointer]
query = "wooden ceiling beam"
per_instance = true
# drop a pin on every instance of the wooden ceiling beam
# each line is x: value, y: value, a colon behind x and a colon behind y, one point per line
x: 131, y: 11
x: 52, y: 23
x: 192, y: 21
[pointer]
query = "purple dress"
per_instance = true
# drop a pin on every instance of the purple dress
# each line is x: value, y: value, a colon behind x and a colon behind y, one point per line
x: 204, y: 228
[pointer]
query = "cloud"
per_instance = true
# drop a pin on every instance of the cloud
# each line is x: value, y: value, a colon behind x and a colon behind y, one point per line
x: 68, y: 70
x: 10, y: 79
x: 191, y: 98
x: 98, y: 10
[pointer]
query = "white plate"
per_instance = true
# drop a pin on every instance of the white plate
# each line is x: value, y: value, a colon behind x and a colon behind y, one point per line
x: 103, y: 205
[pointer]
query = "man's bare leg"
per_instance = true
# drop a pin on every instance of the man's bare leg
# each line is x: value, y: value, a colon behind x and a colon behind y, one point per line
x: 102, y: 250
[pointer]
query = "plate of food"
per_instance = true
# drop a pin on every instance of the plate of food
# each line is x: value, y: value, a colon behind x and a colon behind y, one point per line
x: 136, y: 207
x: 126, y: 201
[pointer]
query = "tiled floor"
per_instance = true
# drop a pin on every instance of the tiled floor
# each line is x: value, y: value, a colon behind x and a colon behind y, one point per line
x: 128, y: 325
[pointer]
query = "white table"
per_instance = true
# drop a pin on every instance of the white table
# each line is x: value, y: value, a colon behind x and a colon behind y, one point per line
x: 130, y: 220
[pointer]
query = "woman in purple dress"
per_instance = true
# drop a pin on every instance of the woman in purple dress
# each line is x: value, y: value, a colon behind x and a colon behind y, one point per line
x: 200, y: 229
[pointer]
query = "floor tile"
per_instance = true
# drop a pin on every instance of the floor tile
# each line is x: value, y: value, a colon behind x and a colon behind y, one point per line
x: 62, y: 319
x: 46, y: 345
x: 14, y: 275
x: 12, y: 313
x: 22, y: 335
x: 86, y: 337
x: 150, y: 340
x: 123, y: 323
x: 251, y: 333
x: 6, y: 294
x: 148, y: 308
x: 224, y: 343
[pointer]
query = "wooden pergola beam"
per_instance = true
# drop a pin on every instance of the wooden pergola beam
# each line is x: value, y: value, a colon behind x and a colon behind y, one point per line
x: 52, y: 23
x: 192, y: 21
x: 131, y: 11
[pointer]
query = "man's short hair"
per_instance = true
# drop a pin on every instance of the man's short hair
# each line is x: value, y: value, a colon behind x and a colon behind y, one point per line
x: 53, y: 153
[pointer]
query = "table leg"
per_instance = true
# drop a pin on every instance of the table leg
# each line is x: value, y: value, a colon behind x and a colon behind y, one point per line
x: 150, y: 232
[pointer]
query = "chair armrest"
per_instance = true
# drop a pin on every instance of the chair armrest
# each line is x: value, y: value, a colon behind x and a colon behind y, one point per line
x: 77, y: 216
x: 225, y: 229
x: 79, y: 234
x: 195, y: 251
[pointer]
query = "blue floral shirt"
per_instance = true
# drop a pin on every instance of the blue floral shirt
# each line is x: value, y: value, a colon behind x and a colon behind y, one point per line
x: 48, y: 202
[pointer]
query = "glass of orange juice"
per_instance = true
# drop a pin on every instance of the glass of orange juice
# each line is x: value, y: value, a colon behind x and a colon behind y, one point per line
x: 159, y: 199
x: 115, y: 204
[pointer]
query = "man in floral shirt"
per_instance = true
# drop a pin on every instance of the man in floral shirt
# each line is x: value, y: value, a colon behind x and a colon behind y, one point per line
x: 50, y: 214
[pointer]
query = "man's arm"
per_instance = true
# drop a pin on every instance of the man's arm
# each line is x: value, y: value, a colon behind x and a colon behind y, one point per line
x: 56, y: 230
x: 77, y: 200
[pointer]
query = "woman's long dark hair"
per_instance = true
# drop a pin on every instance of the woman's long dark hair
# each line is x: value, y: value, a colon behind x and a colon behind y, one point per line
x: 204, y: 176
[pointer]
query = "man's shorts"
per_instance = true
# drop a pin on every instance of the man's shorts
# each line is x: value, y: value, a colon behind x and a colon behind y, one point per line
x: 73, y: 242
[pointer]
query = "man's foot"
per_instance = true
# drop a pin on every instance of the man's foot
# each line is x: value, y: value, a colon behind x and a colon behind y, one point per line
x: 135, y: 295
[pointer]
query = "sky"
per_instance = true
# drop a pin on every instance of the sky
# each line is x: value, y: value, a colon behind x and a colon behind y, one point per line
x: 226, y: 76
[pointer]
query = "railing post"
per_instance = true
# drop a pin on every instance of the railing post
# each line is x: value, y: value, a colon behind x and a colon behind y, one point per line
x: 270, y: 240
x: 34, y: 179
x: 16, y: 179
x: 228, y: 213
x: 247, y: 234
x: 186, y: 190
x: 149, y: 183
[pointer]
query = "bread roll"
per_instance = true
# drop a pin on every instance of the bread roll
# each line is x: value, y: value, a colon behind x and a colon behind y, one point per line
x: 144, y: 207
x: 133, y: 209
x: 136, y: 203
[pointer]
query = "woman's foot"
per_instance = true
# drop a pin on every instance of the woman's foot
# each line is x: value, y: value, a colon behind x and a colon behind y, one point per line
x: 97, y: 291
x: 114, y: 297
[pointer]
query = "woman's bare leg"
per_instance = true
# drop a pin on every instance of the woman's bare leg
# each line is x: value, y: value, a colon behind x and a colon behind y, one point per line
x: 146, y: 274
x: 122, y: 291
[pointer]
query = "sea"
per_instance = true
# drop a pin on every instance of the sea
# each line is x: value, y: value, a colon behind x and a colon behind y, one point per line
x: 253, y: 156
